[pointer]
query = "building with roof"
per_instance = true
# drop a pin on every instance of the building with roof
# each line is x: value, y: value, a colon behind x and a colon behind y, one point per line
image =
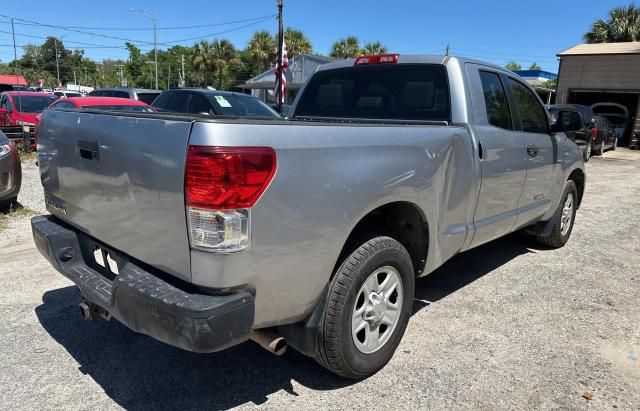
x: 9, y: 80
x: 603, y: 73
x: 301, y: 68
x: 537, y: 80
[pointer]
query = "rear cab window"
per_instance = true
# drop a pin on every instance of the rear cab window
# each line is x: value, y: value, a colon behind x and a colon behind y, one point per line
x: 414, y: 92
x: 495, y: 100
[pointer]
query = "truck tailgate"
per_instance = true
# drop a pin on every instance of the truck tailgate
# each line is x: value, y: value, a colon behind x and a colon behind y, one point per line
x: 120, y: 179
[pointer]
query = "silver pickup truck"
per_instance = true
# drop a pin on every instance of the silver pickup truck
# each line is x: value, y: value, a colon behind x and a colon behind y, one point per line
x: 309, y: 232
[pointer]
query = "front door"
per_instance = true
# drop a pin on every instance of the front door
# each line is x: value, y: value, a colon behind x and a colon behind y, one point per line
x: 541, y: 152
x: 502, y: 156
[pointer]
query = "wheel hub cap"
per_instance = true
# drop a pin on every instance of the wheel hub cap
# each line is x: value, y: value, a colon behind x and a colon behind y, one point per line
x: 377, y: 309
x: 567, y: 215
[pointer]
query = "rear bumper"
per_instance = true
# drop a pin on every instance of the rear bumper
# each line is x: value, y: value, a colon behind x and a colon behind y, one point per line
x: 144, y: 302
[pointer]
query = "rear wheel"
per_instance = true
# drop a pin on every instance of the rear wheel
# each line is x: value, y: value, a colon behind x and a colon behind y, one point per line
x: 587, y: 152
x: 600, y: 150
x: 615, y: 144
x: 368, y: 306
x: 563, y: 218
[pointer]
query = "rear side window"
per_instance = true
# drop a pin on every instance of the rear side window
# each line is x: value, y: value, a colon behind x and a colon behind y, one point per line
x: 532, y: 115
x: 378, y: 92
x: 495, y: 100
x: 147, y: 97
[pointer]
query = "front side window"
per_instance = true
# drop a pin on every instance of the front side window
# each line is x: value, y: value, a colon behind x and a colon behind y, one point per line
x: 495, y: 100
x: 378, y: 92
x: 532, y: 115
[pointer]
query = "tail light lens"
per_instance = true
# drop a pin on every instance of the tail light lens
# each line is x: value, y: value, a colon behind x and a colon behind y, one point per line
x: 221, y: 186
x: 594, y: 134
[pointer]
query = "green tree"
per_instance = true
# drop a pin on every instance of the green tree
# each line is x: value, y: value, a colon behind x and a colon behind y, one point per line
x: 297, y: 43
x: 535, y: 66
x: 201, y: 60
x: 136, y: 66
x: 223, y: 56
x: 374, y: 48
x: 262, y: 49
x: 513, y: 66
x: 550, y: 84
x: 345, y: 48
x: 622, y: 24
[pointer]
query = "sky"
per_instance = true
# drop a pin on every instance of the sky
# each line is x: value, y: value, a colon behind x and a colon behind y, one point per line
x: 495, y: 31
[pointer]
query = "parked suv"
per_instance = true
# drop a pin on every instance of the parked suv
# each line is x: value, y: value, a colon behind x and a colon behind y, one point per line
x: 213, y: 103
x: 583, y: 116
x: 143, y: 94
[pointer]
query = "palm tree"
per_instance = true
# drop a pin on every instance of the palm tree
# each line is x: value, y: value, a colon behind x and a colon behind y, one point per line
x: 345, y: 48
x: 622, y: 24
x: 201, y: 58
x: 223, y: 56
x: 374, y: 48
x: 296, y: 42
x: 262, y: 48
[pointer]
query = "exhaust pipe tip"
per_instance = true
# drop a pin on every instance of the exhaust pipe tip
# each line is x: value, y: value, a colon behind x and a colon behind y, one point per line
x: 270, y: 341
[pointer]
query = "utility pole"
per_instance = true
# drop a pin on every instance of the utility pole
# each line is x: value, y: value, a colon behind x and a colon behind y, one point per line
x: 152, y: 15
x: 120, y: 66
x: 184, y: 80
x: 447, y: 53
x: 169, y: 78
x: 279, y: 60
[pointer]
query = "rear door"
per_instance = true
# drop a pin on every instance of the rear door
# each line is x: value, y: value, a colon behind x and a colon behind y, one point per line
x: 532, y: 128
x: 502, y: 155
x: 120, y: 179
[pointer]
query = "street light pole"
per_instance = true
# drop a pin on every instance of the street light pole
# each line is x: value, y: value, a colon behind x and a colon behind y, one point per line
x: 152, y: 16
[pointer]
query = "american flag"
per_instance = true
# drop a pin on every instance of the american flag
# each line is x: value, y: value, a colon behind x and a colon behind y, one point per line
x: 281, y: 78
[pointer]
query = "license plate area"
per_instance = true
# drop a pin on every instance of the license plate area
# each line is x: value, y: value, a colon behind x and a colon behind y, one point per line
x: 101, y: 258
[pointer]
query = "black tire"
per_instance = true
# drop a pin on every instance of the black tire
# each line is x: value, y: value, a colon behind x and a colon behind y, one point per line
x: 5, y: 205
x: 556, y: 238
x: 336, y: 349
x: 600, y: 150
x: 615, y: 144
x: 587, y: 152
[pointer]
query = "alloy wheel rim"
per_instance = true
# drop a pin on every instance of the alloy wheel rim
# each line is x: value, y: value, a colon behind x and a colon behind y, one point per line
x: 567, y: 215
x: 588, y: 153
x: 376, y: 311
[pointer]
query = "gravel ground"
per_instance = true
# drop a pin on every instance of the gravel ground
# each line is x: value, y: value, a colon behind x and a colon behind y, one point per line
x: 507, y: 325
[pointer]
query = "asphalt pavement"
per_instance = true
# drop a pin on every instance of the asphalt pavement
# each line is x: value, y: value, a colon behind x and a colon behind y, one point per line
x: 506, y: 325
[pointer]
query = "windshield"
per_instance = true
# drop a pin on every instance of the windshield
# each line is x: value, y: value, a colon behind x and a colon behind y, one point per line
x: 139, y: 109
x: 32, y: 104
x: 241, y: 106
x: 379, y: 92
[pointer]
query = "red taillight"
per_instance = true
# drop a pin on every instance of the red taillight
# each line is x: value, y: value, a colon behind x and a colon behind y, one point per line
x: 223, y: 178
x: 594, y: 134
x: 377, y: 59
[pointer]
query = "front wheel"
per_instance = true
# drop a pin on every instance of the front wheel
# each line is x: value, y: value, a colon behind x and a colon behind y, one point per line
x: 562, y: 219
x: 368, y: 306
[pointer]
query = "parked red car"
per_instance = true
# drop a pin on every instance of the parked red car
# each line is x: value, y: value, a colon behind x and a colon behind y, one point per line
x: 19, y: 108
x: 95, y: 103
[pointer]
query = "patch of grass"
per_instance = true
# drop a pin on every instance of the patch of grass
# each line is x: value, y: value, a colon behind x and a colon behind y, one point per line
x: 26, y: 153
x: 17, y: 211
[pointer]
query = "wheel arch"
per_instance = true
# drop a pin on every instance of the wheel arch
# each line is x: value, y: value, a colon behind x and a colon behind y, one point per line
x: 402, y: 220
x: 578, y: 177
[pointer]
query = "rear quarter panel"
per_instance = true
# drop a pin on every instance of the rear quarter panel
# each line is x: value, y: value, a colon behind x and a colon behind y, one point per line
x: 328, y: 177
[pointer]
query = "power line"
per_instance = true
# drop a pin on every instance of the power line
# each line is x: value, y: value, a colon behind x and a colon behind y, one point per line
x: 161, y: 28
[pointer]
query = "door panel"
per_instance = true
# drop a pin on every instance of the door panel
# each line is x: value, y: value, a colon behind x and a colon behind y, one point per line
x: 503, y: 162
x: 541, y: 152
